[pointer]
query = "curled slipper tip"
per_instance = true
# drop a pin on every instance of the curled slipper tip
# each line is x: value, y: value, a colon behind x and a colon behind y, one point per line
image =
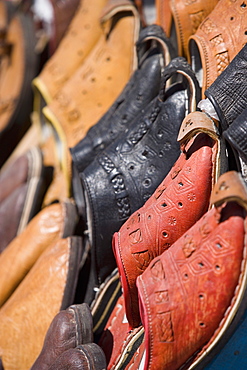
x: 84, y: 322
x: 94, y: 356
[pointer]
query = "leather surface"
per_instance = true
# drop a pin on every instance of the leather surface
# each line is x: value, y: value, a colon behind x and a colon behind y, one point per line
x: 88, y: 356
x: 73, y: 111
x: 47, y: 288
x: 11, y: 210
x: 187, y: 16
x: 81, y: 36
x: 50, y: 224
x: 124, y: 176
x: 164, y: 15
x: 114, y: 332
x: 117, y: 336
x: 69, y: 329
x: 228, y: 92
x: 13, y: 176
x: 175, y: 291
x: 16, y: 98
x: 173, y: 208
x: 104, y: 303
x: 218, y: 40
x: 236, y: 134
x: 22, y: 187
x: 142, y: 87
x: 60, y: 187
x: 17, y: 74
x: 64, y: 12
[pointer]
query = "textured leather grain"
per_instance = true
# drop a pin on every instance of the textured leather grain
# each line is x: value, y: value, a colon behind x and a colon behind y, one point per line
x: 69, y: 329
x: 228, y: 92
x: 124, y: 176
x: 18, y: 68
x: 236, y: 134
x: 175, y: 291
x: 50, y: 224
x: 47, y: 288
x: 81, y: 36
x: 94, y: 86
x: 87, y: 357
x: 218, y: 40
x: 173, y: 208
x: 187, y: 16
x: 142, y: 87
x: 22, y: 188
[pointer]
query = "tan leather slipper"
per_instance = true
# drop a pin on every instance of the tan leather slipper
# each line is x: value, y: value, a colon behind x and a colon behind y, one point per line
x: 50, y: 224
x: 218, y: 40
x: 93, y: 88
x: 47, y: 288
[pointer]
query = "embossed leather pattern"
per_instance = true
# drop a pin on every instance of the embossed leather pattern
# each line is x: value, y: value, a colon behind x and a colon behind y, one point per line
x: 81, y: 36
x: 218, y: 40
x: 173, y: 208
x: 124, y: 176
x: 95, y: 85
x: 228, y: 92
x: 142, y: 87
x: 191, y: 291
x: 187, y: 16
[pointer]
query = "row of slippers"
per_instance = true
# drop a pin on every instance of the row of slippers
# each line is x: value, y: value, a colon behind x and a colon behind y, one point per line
x: 128, y: 167
x: 161, y: 225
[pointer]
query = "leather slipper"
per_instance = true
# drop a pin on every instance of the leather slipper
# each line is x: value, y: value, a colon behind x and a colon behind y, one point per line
x: 173, y: 208
x: 47, y: 288
x: 218, y: 40
x: 181, y: 321
x: 124, y: 175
